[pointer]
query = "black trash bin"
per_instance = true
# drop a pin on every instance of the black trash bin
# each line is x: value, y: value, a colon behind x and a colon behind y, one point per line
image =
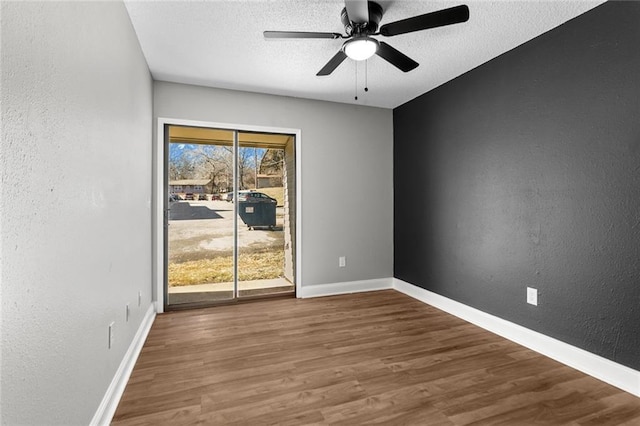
x: 258, y: 214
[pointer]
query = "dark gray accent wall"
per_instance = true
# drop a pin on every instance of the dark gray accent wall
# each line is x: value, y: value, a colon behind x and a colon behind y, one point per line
x: 526, y: 172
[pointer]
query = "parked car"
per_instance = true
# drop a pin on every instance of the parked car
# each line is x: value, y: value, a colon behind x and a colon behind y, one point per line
x: 174, y: 197
x: 188, y: 196
x: 202, y: 197
x: 255, y: 197
x: 240, y: 193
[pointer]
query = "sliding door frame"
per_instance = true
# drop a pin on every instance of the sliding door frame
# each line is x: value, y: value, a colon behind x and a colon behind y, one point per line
x: 159, y: 197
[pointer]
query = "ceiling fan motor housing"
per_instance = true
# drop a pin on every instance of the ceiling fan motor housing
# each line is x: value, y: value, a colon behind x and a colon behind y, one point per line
x: 363, y: 28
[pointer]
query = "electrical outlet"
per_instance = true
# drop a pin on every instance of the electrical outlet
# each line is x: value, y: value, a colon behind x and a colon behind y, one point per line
x: 532, y: 296
x: 139, y: 298
x: 342, y: 261
x: 112, y: 335
x: 127, y: 313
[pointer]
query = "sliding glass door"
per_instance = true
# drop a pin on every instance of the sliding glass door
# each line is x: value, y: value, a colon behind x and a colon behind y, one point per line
x: 230, y: 214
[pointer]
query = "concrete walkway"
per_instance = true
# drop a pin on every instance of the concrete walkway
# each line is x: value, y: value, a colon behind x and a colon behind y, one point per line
x: 224, y: 291
x: 228, y: 286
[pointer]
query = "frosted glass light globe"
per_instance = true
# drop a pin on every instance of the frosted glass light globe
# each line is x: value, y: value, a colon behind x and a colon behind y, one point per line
x: 361, y: 48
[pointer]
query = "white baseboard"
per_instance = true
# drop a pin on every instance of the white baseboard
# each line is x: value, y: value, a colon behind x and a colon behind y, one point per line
x: 111, y: 398
x: 332, y: 289
x: 596, y: 366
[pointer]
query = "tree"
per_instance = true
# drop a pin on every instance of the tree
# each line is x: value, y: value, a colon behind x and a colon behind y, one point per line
x: 181, y: 168
x: 214, y: 162
x: 244, y: 166
x: 272, y: 162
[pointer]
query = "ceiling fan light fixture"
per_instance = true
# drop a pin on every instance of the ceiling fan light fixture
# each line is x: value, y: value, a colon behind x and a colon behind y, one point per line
x: 361, y: 48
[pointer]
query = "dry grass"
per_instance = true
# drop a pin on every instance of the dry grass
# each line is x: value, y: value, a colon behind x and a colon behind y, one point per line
x: 262, y: 265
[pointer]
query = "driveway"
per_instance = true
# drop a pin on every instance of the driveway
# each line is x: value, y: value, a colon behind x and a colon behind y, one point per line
x: 204, y: 229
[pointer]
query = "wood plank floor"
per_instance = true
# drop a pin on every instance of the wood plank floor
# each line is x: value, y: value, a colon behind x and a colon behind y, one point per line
x: 366, y: 358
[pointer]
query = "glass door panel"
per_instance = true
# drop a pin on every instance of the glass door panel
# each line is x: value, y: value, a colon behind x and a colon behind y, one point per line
x: 261, y: 182
x: 200, y: 231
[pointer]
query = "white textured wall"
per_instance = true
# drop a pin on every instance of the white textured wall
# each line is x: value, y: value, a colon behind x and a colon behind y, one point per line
x: 347, y: 172
x: 76, y: 197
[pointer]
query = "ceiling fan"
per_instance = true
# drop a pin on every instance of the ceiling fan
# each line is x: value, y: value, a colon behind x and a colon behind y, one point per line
x: 361, y: 19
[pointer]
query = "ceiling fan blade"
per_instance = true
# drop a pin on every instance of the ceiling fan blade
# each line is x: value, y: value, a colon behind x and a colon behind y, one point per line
x: 357, y: 10
x: 395, y: 57
x: 299, y: 34
x: 333, y: 63
x: 453, y: 15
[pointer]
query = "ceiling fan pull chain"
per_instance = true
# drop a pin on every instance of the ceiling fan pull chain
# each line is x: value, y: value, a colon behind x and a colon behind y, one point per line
x: 356, y: 73
x: 366, y: 76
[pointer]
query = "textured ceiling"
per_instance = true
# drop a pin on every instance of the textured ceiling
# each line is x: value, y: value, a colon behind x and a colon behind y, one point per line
x: 220, y: 44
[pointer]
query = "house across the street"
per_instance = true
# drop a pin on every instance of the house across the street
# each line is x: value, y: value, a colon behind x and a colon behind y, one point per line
x: 195, y: 186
